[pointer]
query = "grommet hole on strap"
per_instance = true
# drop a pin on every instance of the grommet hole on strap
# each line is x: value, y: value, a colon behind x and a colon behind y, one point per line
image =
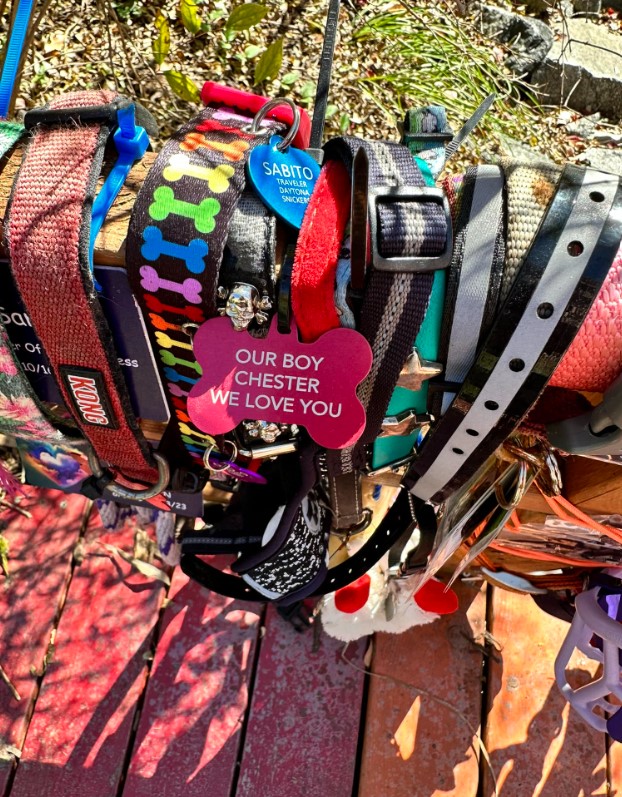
x: 596, y: 196
x: 545, y: 310
x: 575, y: 248
x: 458, y: 451
x: 516, y: 364
x: 491, y: 405
x: 472, y: 432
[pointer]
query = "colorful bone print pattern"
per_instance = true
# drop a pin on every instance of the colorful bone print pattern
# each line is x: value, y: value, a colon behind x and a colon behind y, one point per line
x: 176, y: 242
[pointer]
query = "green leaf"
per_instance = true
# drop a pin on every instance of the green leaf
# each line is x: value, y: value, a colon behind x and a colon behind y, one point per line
x: 162, y: 44
x: 182, y: 86
x: 331, y: 110
x: 290, y: 78
x: 189, y: 16
x: 270, y: 62
x: 344, y: 123
x: 245, y: 16
x: 252, y: 50
x: 308, y: 90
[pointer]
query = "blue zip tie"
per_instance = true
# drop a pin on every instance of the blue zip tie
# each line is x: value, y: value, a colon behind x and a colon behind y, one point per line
x: 131, y: 142
x: 17, y: 37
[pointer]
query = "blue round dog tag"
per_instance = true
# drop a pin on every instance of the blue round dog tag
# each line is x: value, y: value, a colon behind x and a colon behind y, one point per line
x: 284, y: 180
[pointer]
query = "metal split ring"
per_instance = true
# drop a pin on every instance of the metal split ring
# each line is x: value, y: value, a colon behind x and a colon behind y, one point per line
x: 522, y: 484
x: 120, y: 491
x: 189, y: 328
x: 224, y: 468
x: 265, y: 110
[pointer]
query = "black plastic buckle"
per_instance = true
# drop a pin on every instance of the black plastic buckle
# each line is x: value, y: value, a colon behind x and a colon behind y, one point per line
x: 406, y: 193
x: 90, y: 114
x: 297, y: 614
x: 93, y: 487
x: 598, y: 432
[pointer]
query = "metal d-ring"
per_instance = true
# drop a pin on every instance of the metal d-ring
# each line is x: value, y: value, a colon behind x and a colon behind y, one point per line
x: 120, y: 491
x: 269, y: 106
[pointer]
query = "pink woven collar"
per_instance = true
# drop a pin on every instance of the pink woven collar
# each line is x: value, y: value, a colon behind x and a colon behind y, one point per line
x: 594, y: 358
x: 48, y: 235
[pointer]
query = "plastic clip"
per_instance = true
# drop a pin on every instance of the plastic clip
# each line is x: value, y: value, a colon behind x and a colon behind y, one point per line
x: 595, y: 432
x: 131, y: 142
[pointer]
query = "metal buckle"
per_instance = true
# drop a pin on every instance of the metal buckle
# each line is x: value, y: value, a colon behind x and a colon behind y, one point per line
x: 403, y: 193
x: 403, y: 424
x: 390, y: 467
x: 267, y: 450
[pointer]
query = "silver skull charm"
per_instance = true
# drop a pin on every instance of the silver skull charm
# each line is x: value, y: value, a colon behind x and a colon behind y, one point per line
x: 244, y: 305
x: 267, y: 431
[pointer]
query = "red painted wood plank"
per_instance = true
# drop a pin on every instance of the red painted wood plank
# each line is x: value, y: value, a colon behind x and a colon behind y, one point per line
x: 414, y: 745
x: 538, y: 745
x: 191, y: 722
x: 40, y: 550
x: 303, y: 728
x: 78, y: 736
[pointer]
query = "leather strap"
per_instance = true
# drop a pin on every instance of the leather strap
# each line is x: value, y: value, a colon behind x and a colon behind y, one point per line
x: 323, y: 84
x: 175, y: 245
x: 47, y: 230
x: 562, y: 273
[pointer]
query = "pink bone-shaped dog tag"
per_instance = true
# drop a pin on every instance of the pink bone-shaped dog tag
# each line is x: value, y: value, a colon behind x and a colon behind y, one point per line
x: 281, y: 380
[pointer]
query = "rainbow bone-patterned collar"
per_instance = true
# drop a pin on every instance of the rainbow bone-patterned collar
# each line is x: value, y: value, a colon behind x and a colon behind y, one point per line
x: 176, y: 249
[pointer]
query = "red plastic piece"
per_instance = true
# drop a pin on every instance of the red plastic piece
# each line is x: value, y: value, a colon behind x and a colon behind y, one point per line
x: 436, y: 598
x: 217, y: 95
x: 353, y: 597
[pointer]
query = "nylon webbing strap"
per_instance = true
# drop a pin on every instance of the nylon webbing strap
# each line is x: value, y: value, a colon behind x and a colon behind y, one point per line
x: 474, y: 275
x: 530, y: 188
x: 249, y: 253
x: 175, y: 245
x: 48, y: 239
x: 395, y: 302
x: 560, y: 277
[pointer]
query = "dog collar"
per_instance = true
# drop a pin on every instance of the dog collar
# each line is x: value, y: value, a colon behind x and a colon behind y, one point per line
x: 560, y: 276
x: 175, y: 246
x: 48, y: 240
